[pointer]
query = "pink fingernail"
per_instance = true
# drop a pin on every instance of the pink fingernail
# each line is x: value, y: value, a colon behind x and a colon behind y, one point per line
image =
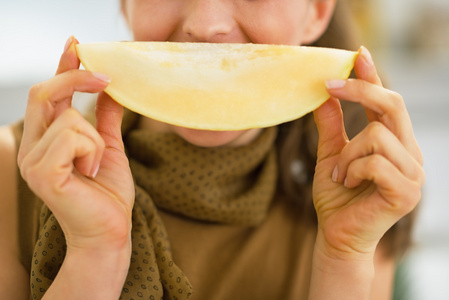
x: 335, y: 174
x: 95, y: 172
x: 68, y: 43
x: 102, y: 77
x: 335, y: 84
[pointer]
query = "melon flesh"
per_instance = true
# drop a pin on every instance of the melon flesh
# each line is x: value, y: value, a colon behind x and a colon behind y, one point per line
x: 217, y: 86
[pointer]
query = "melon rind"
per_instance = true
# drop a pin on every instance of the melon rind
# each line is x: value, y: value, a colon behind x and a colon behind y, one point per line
x: 217, y: 86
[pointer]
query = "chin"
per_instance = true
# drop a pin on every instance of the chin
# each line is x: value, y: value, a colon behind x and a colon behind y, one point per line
x: 208, y: 138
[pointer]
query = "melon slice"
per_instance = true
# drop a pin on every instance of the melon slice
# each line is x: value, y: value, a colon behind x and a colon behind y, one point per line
x: 217, y: 86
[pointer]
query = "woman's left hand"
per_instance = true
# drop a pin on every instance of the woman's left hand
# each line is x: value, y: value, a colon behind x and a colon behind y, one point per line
x: 364, y: 186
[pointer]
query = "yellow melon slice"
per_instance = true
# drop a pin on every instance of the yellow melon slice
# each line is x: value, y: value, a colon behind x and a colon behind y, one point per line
x: 217, y: 86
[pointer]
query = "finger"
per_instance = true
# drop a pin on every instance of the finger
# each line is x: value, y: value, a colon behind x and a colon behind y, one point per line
x: 366, y: 70
x: 55, y: 168
x: 69, y: 60
x: 377, y: 139
x: 40, y: 112
x: 376, y: 98
x: 364, y: 67
x: 398, y: 192
x: 109, y: 115
x: 331, y: 131
x: 71, y: 119
x: 388, y: 105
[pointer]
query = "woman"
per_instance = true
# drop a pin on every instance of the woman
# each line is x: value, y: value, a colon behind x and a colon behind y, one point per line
x: 184, y: 207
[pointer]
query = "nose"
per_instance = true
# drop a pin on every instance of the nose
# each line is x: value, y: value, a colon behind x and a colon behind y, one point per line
x: 208, y: 21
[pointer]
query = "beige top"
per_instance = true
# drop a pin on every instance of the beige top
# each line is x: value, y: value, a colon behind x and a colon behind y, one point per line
x: 272, y: 261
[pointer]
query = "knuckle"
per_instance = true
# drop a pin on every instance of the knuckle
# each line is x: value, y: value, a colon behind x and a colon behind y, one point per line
x: 76, y: 78
x: 363, y: 89
x: 73, y: 139
x: 37, y: 92
x: 407, y: 198
x: 419, y: 157
x: 417, y: 174
x: 414, y: 196
x: 376, y: 134
x: 72, y: 74
x: 396, y: 101
x: 72, y: 116
x: 88, y: 145
x: 375, y: 130
x: 67, y: 137
x: 421, y: 178
x: 74, y: 120
x: 375, y: 163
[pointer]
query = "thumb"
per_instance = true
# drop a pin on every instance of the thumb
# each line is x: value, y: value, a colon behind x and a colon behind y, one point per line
x: 109, y: 115
x: 331, y: 130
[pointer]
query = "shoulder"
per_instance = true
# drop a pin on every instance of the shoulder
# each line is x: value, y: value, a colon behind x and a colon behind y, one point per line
x: 8, y: 184
x: 8, y: 162
x: 7, y: 141
x: 13, y: 276
x: 8, y: 165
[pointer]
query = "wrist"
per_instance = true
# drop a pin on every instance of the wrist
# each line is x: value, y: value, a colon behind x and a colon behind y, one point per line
x: 108, y: 260
x: 337, y: 275
x: 91, y: 274
x: 341, y: 250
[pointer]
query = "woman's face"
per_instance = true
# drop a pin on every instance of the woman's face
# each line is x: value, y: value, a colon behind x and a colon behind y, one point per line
x: 222, y: 21
x: 289, y: 22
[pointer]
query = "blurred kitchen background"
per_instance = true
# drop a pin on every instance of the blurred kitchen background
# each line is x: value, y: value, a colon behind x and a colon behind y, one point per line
x: 410, y: 43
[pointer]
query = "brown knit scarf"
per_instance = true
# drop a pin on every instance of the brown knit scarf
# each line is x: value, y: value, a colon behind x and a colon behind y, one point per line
x: 225, y: 185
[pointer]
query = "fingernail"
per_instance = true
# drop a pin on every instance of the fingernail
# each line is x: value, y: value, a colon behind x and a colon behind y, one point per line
x: 95, y: 172
x: 335, y: 84
x: 102, y: 77
x: 335, y: 174
x: 68, y: 43
x: 366, y: 55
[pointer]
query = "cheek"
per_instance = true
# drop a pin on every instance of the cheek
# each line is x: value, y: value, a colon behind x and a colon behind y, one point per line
x: 274, y: 22
x: 154, y: 22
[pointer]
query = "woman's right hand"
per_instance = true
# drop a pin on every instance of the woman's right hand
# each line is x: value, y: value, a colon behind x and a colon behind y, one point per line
x: 79, y: 171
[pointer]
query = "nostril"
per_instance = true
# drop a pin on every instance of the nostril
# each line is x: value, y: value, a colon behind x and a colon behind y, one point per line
x: 207, y: 21
x: 207, y: 31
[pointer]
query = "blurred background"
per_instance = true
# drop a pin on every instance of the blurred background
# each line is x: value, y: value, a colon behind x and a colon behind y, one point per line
x: 410, y: 43
x: 409, y: 40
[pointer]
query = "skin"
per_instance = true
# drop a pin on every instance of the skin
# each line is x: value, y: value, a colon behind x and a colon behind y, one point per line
x: 361, y: 187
